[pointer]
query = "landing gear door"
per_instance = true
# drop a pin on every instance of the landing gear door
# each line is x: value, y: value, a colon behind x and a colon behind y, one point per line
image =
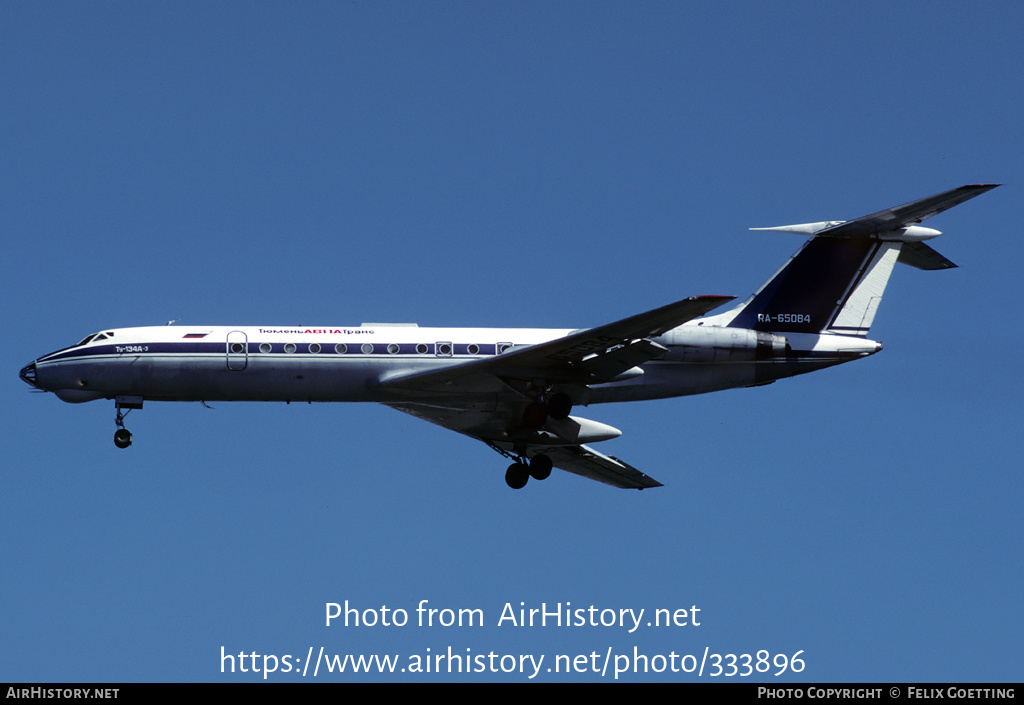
x: 237, y: 350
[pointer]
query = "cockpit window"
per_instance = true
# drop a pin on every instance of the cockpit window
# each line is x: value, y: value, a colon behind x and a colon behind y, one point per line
x: 94, y: 337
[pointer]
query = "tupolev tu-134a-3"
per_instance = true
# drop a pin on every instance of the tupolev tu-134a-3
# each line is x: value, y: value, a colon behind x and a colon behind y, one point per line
x: 515, y: 389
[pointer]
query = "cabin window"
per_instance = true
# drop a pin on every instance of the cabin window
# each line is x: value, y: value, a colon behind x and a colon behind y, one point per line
x: 473, y: 349
x: 504, y: 347
x: 314, y: 348
x: 367, y: 348
x: 422, y: 348
x: 341, y: 348
x: 444, y: 349
x: 237, y: 347
x: 265, y: 348
x: 289, y: 347
x: 393, y: 348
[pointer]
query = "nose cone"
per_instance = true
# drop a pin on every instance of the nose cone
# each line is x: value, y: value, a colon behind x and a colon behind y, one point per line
x: 28, y: 374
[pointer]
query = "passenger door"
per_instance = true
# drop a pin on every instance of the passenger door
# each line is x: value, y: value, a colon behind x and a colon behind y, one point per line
x: 237, y: 350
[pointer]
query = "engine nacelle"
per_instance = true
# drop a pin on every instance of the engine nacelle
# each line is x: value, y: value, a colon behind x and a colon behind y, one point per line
x: 717, y: 344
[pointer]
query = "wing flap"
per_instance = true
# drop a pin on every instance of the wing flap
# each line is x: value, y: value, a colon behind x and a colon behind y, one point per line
x: 587, y: 462
x: 612, y: 363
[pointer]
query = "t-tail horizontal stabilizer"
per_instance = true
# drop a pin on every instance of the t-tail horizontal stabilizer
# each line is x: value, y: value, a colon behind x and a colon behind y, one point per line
x: 835, y: 281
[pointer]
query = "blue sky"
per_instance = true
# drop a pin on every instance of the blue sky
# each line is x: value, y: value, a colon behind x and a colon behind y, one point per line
x: 508, y: 164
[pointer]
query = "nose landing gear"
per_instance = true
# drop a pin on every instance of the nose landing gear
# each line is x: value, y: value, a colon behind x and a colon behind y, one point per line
x: 122, y: 436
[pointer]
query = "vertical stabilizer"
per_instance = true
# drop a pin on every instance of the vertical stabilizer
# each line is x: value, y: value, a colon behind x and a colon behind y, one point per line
x: 831, y: 284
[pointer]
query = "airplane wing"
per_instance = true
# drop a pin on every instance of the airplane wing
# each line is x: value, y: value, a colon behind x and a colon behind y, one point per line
x: 587, y: 462
x: 592, y: 355
x: 578, y: 459
x: 484, y: 399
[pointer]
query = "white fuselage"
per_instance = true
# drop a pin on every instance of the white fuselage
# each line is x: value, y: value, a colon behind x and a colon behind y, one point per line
x: 338, y: 363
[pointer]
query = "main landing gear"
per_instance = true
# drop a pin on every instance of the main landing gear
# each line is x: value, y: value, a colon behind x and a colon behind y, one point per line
x: 544, y: 406
x: 519, y: 472
x: 558, y: 406
x: 122, y: 436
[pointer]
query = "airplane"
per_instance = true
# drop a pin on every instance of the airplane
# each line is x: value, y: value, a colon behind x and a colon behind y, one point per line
x: 515, y: 389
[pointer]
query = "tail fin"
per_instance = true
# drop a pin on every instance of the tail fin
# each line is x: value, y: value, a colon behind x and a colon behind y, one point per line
x: 828, y: 285
x: 835, y: 282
